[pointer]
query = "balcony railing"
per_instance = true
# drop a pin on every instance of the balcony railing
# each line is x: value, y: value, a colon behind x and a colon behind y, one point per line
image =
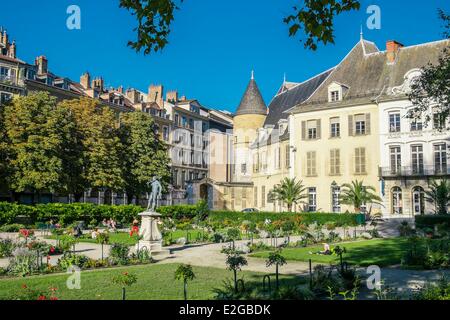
x: 419, y: 171
x: 8, y: 79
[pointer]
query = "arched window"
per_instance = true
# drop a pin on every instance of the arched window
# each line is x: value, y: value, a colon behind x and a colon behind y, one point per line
x: 397, y: 203
x: 418, y: 201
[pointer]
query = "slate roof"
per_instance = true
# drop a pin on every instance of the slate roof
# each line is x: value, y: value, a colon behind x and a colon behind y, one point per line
x: 252, y: 101
x: 368, y: 75
x: 291, y: 95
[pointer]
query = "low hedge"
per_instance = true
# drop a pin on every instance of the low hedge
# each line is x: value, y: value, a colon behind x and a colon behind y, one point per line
x: 179, y: 211
x: 67, y: 213
x: 236, y: 218
x: 429, y: 221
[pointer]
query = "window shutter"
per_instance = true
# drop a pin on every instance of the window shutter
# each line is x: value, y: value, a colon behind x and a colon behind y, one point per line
x: 318, y: 123
x: 367, y: 123
x: 303, y: 130
x: 350, y: 126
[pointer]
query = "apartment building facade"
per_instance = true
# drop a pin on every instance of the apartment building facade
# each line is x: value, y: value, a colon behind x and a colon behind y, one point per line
x: 181, y: 123
x: 348, y: 123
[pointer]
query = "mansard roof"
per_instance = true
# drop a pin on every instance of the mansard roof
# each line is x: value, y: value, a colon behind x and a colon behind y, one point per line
x: 368, y: 74
x: 291, y: 95
x: 252, y: 101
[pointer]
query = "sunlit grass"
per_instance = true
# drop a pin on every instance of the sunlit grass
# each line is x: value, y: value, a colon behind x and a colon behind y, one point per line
x: 154, y: 282
x: 381, y: 252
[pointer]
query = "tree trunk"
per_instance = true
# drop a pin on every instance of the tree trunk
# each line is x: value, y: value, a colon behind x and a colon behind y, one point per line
x: 123, y: 293
x: 235, y: 281
x: 276, y: 276
x: 289, y: 207
x: 77, y: 196
x: 185, y: 290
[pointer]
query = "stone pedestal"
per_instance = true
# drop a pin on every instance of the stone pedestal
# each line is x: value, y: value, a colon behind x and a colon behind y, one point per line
x: 151, y: 237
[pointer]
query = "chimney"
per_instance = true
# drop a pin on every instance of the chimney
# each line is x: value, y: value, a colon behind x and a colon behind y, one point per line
x: 120, y: 89
x: 183, y: 98
x: 12, y: 50
x: 392, y: 48
x: 42, y: 63
x: 133, y: 95
x: 5, y: 38
x: 85, y: 80
x: 156, y: 94
x: 98, y: 84
x: 172, y: 96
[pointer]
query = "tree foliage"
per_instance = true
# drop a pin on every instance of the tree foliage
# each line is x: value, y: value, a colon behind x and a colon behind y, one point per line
x: 72, y: 146
x: 357, y: 194
x: 290, y: 192
x: 99, y: 145
x: 39, y: 134
x: 4, y: 158
x: 143, y: 154
x: 432, y: 87
x: 439, y: 196
x: 154, y: 18
x: 314, y: 17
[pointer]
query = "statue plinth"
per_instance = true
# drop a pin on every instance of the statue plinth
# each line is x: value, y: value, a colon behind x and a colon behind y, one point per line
x: 151, y: 237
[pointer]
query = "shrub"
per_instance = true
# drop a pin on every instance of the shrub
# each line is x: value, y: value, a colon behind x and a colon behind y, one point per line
x: 23, y: 263
x: 6, y: 248
x: 405, y: 229
x: 181, y: 211
x: 440, y: 291
x: 69, y: 259
x: 429, y: 221
x: 232, y: 218
x: 119, y: 254
x: 323, y: 281
x: 15, y: 227
x: 67, y: 213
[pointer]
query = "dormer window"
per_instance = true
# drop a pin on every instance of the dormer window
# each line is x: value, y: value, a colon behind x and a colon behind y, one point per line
x: 336, y: 91
x: 334, y: 96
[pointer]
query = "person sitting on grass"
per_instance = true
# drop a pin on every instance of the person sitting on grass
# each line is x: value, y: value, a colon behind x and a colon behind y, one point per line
x: 112, y: 224
x: 95, y: 233
x: 326, y: 250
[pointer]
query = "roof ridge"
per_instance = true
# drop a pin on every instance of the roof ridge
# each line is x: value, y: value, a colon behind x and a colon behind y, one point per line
x: 303, y: 82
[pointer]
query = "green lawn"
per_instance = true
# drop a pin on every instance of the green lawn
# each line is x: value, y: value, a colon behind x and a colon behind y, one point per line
x: 381, y: 252
x: 124, y: 237
x: 177, y: 234
x: 154, y: 282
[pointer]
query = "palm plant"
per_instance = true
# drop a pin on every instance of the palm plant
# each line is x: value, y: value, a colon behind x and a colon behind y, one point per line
x: 357, y: 194
x: 290, y: 192
x: 184, y: 272
x: 439, y: 195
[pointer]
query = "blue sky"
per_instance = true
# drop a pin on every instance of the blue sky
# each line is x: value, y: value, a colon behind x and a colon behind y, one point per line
x: 213, y: 46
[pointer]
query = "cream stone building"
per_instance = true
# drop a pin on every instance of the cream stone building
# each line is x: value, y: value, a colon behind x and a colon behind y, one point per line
x: 336, y: 128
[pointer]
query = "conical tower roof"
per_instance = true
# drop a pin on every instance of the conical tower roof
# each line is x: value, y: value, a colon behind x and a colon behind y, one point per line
x: 252, y: 101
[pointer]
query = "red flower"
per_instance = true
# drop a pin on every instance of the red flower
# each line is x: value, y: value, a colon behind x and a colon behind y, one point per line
x: 42, y: 297
x: 53, y: 289
x: 24, y: 286
x: 53, y: 298
x: 24, y: 232
x: 52, y: 249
